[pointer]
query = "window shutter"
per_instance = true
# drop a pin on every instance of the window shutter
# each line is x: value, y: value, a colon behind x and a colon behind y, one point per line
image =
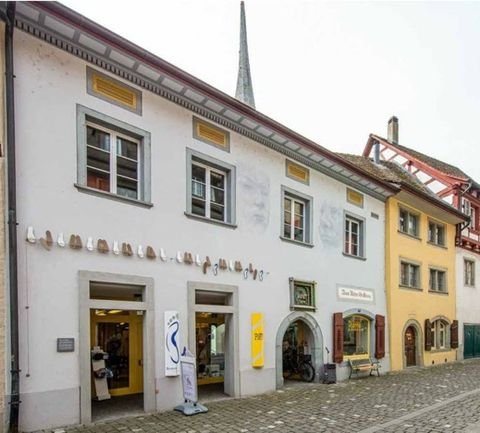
x: 454, y: 335
x: 379, y: 336
x: 428, y: 335
x: 338, y: 337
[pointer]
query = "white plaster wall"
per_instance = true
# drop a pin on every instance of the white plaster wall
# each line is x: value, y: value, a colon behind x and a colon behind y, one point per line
x: 468, y: 299
x: 49, y: 84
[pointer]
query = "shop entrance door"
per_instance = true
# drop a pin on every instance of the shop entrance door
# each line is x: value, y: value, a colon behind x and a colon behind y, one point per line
x: 410, y: 346
x: 211, y: 351
x: 213, y: 338
x: 118, y: 333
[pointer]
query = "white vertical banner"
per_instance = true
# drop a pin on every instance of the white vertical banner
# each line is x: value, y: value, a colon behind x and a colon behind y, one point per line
x: 172, y: 345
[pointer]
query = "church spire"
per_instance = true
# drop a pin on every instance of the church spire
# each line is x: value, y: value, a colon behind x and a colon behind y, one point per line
x: 244, y: 91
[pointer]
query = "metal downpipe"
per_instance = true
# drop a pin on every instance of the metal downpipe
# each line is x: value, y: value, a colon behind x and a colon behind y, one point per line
x: 12, y: 218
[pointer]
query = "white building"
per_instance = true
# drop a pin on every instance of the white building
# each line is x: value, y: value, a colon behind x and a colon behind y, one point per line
x: 162, y: 194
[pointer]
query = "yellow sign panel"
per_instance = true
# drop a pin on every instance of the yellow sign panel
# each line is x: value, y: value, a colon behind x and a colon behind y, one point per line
x: 354, y: 197
x: 258, y: 338
x: 298, y: 172
x: 115, y: 90
x: 210, y: 133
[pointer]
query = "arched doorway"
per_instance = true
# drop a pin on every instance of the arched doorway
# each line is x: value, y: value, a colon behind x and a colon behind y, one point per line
x: 299, y: 330
x: 297, y: 354
x: 410, y: 346
x: 412, y: 342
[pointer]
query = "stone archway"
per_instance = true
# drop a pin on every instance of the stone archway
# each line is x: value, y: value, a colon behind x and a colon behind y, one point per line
x: 419, y: 343
x: 317, y: 347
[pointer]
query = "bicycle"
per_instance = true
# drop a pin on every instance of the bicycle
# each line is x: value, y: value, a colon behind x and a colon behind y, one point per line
x: 300, y: 364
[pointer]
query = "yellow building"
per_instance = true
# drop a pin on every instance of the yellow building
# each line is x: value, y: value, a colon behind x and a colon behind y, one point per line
x: 420, y: 280
x: 419, y: 269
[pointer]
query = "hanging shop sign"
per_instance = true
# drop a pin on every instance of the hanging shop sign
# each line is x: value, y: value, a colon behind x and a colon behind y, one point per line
x: 172, y: 351
x: 258, y: 356
x: 355, y: 294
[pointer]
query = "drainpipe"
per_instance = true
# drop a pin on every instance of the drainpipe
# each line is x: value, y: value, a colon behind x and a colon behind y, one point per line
x: 12, y: 218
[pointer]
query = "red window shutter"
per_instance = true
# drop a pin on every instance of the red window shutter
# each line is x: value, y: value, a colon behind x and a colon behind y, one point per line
x: 454, y: 335
x: 428, y: 335
x: 338, y: 337
x: 379, y: 336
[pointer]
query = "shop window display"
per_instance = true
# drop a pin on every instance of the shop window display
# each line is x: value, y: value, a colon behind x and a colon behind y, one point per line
x: 356, y: 337
x: 210, y: 339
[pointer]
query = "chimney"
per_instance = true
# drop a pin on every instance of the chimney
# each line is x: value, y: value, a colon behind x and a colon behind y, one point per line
x: 376, y: 153
x: 393, y: 130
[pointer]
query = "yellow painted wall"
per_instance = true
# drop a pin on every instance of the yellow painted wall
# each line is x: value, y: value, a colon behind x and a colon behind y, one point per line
x: 405, y: 304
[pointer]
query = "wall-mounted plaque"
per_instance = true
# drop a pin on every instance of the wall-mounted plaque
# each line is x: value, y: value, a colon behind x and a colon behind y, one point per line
x: 355, y: 294
x: 302, y: 295
x: 65, y: 344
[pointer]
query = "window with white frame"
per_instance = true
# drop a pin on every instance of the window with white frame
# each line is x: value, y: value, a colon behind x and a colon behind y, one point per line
x: 112, y: 161
x: 409, y: 275
x: 294, y: 218
x: 297, y: 215
x: 210, y: 188
x: 113, y: 157
x: 438, y: 280
x: 209, y: 192
x: 469, y: 276
x: 436, y: 233
x: 439, y: 334
x: 353, y: 236
x: 408, y: 222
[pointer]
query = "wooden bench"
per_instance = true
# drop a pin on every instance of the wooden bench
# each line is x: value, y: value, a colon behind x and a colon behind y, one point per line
x: 367, y: 364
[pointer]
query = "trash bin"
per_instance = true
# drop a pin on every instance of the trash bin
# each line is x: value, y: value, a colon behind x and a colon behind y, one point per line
x: 330, y: 373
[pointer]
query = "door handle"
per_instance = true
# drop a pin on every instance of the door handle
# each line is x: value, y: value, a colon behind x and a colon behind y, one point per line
x: 140, y: 362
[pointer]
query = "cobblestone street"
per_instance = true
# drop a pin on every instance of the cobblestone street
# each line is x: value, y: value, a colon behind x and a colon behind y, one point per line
x: 439, y: 399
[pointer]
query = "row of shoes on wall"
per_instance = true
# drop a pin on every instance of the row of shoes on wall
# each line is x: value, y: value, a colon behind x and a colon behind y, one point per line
x: 75, y: 243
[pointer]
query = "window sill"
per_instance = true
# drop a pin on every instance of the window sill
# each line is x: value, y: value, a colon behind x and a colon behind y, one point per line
x: 409, y: 235
x: 437, y: 292
x: 470, y: 286
x: 209, y: 220
x: 111, y: 196
x: 292, y: 241
x: 303, y: 308
x: 351, y: 256
x: 356, y: 357
x: 415, y: 289
x: 433, y: 244
x: 443, y: 350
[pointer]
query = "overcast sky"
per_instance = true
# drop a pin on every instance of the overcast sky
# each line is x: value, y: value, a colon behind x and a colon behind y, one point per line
x: 332, y: 71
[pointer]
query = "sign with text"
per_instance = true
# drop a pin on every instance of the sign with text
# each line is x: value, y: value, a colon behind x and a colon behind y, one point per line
x: 189, y: 378
x: 65, y: 345
x: 354, y: 294
x: 172, y: 351
x: 258, y: 339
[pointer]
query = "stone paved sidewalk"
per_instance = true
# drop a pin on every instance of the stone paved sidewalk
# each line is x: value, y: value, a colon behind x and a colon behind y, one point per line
x: 445, y: 398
